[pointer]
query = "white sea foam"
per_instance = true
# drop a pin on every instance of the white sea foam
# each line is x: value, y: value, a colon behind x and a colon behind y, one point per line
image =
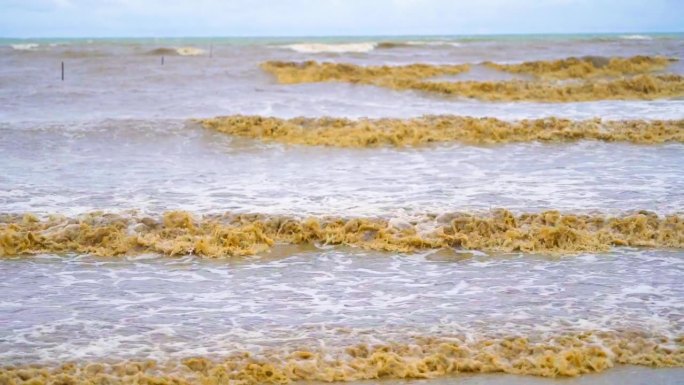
x: 190, y: 51
x: 636, y: 37
x: 348, y: 296
x: 24, y: 46
x: 435, y: 43
x: 332, y: 48
x: 528, y: 176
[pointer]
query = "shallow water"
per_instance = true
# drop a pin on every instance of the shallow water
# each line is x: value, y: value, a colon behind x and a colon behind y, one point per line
x: 56, y: 308
x: 125, y: 79
x: 162, y: 165
x: 116, y: 135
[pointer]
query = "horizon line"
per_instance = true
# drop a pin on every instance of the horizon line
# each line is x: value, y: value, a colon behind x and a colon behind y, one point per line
x: 342, y: 35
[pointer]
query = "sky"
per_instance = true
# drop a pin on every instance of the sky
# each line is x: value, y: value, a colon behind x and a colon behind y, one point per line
x: 175, y: 18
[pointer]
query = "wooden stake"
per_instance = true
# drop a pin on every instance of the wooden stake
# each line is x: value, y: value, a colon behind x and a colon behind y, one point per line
x: 162, y: 61
x: 62, y: 71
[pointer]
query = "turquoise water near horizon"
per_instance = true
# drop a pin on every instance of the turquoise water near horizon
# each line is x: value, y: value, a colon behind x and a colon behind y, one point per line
x: 247, y: 40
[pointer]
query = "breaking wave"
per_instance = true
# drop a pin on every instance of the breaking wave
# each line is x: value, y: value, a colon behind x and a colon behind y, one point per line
x: 570, y: 354
x: 364, y: 47
x: 182, y: 51
x: 636, y: 37
x: 341, y: 132
x: 24, y: 46
x: 418, y: 43
x: 190, y: 51
x: 227, y: 235
x: 331, y: 48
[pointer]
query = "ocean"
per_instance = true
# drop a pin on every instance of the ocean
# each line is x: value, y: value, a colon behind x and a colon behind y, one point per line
x: 119, y: 141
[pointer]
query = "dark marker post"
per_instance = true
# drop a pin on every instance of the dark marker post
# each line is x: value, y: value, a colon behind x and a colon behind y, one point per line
x: 62, y: 71
x: 162, y: 61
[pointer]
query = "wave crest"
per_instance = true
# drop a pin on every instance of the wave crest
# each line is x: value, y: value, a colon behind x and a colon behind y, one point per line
x: 636, y: 37
x: 419, y: 43
x: 181, y: 51
x: 25, y: 46
x: 332, y: 48
x: 415, y: 77
x: 569, y: 354
x: 190, y: 51
x: 340, y: 132
x: 311, y: 71
x: 587, y: 66
x: 226, y: 235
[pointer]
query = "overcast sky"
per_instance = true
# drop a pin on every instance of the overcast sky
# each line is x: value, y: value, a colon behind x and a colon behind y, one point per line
x: 157, y: 18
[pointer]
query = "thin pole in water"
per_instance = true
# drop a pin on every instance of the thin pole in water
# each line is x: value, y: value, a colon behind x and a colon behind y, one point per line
x: 162, y: 61
x: 62, y: 71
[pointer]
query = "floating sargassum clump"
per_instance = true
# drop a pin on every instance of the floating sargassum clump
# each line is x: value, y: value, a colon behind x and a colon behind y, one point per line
x: 313, y: 72
x: 586, y: 67
x: 639, y: 87
x: 341, y: 132
x: 569, y: 354
x: 227, y: 235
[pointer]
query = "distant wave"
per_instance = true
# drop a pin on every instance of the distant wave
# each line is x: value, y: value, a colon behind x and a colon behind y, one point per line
x: 190, y: 51
x: 331, y: 48
x: 437, y: 43
x: 24, y: 46
x: 75, y: 53
x: 417, y: 43
x: 365, y: 46
x: 182, y: 51
x: 636, y: 37
x: 162, y: 51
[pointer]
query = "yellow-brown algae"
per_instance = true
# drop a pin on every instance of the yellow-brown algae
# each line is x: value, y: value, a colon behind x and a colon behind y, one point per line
x: 587, y: 67
x: 641, y: 87
x: 341, y: 132
x: 566, y: 355
x: 313, y: 72
x: 233, y: 235
x: 415, y: 77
